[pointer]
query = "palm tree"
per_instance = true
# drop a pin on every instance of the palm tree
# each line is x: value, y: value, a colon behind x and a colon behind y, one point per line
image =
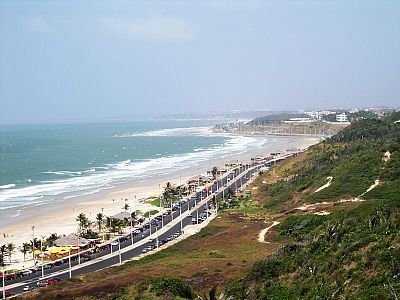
x: 26, y: 247
x: 114, y: 224
x: 50, y: 241
x: 82, y: 220
x: 3, y: 251
x: 126, y: 207
x: 10, y: 250
x: 35, y: 243
x: 168, y: 194
x: 214, y: 172
x: 100, y: 220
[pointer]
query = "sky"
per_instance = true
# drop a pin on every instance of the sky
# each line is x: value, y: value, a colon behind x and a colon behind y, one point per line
x: 92, y: 60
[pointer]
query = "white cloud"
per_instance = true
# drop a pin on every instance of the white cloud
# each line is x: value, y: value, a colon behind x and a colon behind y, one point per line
x: 37, y: 23
x: 154, y: 28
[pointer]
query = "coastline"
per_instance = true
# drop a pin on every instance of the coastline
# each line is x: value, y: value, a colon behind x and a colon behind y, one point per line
x: 60, y: 217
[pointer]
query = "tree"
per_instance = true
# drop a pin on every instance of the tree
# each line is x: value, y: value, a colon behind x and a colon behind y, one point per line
x: 100, y: 220
x: 126, y: 207
x: 82, y: 220
x: 26, y: 247
x: 35, y: 243
x: 50, y: 241
x: 214, y: 172
x: 114, y: 224
x: 168, y: 194
x: 3, y: 251
x: 10, y: 250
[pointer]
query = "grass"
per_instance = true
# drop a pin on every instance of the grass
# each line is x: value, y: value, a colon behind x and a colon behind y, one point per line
x: 209, y: 259
x: 155, y: 202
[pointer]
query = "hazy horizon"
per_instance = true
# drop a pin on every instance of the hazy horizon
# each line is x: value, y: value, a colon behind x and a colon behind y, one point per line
x: 90, y: 61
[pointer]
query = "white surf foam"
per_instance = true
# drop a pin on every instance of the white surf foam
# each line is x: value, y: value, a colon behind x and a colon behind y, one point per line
x: 93, y: 180
x: 199, y: 131
x: 7, y: 186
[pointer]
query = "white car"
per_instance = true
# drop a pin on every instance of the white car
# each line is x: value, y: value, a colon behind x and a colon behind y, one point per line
x: 27, y: 288
x: 27, y: 272
x: 114, y: 243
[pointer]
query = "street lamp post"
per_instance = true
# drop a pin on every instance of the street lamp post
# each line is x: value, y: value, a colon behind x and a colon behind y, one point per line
x: 119, y: 251
x: 180, y: 215
x: 4, y: 282
x: 33, y: 244
x: 131, y: 230
x: 41, y: 254
x: 79, y: 251
x: 69, y: 263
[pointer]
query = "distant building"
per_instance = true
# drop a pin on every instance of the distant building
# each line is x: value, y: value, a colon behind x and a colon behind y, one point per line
x: 314, y: 114
x: 298, y: 120
x: 341, y: 118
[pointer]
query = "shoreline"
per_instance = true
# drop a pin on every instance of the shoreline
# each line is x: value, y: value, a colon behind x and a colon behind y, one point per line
x: 59, y: 217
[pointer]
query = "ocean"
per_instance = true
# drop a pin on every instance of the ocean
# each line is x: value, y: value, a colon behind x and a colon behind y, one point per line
x: 47, y: 163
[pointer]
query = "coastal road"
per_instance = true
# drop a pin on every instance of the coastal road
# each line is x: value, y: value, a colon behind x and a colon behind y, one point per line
x: 173, y: 224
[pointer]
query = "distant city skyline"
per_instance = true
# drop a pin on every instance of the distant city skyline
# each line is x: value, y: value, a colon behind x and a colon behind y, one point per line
x: 66, y: 61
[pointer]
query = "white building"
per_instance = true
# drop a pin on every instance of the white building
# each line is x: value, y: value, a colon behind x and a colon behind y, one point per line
x: 341, y: 118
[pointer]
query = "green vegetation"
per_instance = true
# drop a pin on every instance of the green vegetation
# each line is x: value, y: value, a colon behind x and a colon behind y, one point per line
x: 276, y: 118
x: 168, y: 287
x: 349, y: 254
x: 353, y: 157
x: 155, y: 202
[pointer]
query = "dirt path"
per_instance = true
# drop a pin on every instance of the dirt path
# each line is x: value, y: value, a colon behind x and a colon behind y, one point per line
x: 325, y: 185
x: 261, y: 235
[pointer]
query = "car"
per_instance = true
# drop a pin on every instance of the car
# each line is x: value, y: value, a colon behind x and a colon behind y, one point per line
x: 8, y: 294
x: 85, y: 257
x: 151, y: 240
x: 11, y: 276
x: 42, y: 283
x: 189, y: 215
x: 58, y: 262
x: 53, y: 280
x: 27, y: 288
x: 114, y: 243
x: 144, y: 250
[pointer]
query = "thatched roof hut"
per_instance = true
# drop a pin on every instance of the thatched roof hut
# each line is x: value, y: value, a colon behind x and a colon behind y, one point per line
x: 71, y: 239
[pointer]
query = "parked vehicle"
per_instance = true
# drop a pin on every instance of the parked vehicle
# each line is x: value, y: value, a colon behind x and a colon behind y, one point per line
x: 42, y: 283
x: 27, y: 272
x: 9, y: 294
x: 53, y: 280
x: 27, y: 288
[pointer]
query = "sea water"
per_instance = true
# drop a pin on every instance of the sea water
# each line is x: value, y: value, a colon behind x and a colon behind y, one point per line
x: 47, y: 163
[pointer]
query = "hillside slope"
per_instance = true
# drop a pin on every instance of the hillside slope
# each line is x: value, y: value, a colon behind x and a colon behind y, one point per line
x: 350, y: 252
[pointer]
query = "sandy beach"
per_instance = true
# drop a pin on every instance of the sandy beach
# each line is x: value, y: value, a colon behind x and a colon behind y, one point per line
x: 60, y: 218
